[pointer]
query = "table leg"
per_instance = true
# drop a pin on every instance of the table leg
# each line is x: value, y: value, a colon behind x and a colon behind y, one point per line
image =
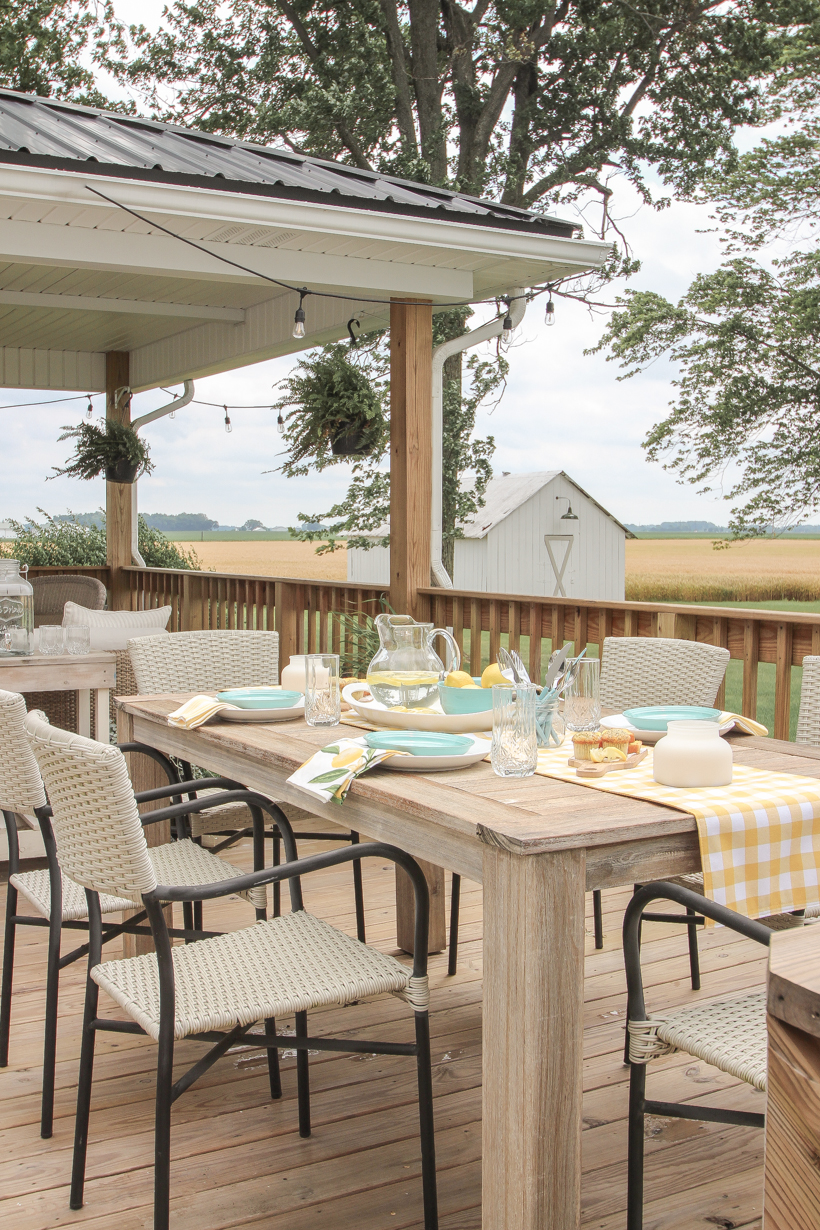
x: 84, y: 712
x: 102, y: 730
x: 533, y: 1040
x: 405, y: 908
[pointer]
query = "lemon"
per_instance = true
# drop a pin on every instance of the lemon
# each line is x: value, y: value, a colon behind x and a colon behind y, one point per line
x: 613, y: 754
x: 459, y: 679
x: 348, y: 757
x: 475, y: 686
x: 596, y: 754
x: 492, y: 675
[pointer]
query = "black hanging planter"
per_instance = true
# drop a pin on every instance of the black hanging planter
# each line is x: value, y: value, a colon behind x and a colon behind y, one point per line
x: 122, y: 472
x: 350, y: 443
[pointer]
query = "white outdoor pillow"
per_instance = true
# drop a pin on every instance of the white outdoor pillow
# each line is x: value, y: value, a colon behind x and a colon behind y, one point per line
x: 114, y: 629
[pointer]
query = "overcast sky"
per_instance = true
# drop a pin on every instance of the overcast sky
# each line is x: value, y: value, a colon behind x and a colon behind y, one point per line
x: 562, y: 410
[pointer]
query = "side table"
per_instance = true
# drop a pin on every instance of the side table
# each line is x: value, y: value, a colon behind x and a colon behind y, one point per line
x: 83, y: 673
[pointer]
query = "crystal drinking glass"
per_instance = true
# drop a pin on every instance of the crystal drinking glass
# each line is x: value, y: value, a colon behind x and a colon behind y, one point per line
x: 514, y: 750
x: 582, y: 698
x: 51, y: 638
x: 78, y: 638
x: 323, y: 704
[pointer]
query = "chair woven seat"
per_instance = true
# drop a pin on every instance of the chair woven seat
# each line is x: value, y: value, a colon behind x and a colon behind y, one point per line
x: 730, y: 1035
x: 775, y: 922
x: 285, y: 965
x: 34, y: 886
x: 180, y: 862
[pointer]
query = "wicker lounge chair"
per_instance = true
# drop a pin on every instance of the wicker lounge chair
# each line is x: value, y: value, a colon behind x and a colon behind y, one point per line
x: 222, y: 985
x: 58, y: 902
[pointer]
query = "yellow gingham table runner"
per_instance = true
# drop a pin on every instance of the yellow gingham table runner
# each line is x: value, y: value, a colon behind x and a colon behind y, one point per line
x: 759, y: 837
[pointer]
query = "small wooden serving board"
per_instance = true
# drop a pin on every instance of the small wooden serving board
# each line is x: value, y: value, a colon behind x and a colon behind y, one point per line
x: 588, y: 768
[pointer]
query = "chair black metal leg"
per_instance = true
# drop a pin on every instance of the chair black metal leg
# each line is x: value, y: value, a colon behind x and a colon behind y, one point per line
x: 8, y: 970
x: 277, y: 888
x: 84, y: 1096
x: 50, y: 1032
x: 187, y: 917
x: 358, y: 891
x: 634, y: 1199
x: 426, y: 1126
x: 303, y: 1077
x: 455, y: 905
x: 273, y: 1062
x: 598, y: 917
x: 197, y: 916
x: 694, y: 957
x: 162, y: 1129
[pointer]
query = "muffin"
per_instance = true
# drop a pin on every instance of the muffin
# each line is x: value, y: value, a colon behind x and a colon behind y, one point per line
x: 583, y: 741
x: 617, y: 738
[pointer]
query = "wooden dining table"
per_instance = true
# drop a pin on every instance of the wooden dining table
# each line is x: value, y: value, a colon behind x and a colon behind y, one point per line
x: 536, y: 844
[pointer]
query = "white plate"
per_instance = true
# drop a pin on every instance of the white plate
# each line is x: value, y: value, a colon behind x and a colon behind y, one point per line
x: 619, y: 722
x: 261, y: 715
x: 437, y: 764
x: 419, y: 719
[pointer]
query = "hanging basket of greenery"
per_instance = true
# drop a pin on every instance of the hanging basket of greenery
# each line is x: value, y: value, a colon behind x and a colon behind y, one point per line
x: 114, y: 450
x: 337, y: 409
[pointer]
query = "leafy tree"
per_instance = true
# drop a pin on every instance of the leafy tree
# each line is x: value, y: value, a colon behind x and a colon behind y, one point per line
x: 746, y: 338
x: 69, y: 543
x: 253, y: 524
x: 43, y: 44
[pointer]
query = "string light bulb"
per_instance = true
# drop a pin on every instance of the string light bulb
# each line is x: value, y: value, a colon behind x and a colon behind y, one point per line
x: 549, y: 315
x: 90, y: 409
x: 228, y: 427
x: 280, y: 424
x: 507, y: 330
x: 299, y: 318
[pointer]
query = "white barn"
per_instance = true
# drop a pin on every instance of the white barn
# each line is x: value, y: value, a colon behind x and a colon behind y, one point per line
x: 536, y: 534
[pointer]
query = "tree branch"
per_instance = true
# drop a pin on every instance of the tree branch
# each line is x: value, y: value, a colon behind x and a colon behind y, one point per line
x: 398, y: 65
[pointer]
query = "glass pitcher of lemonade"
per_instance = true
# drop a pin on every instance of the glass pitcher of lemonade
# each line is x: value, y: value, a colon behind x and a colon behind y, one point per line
x: 406, y: 671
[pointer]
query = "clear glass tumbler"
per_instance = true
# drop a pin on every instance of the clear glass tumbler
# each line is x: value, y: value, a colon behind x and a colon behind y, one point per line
x: 515, y: 749
x: 51, y: 638
x: 78, y: 639
x: 582, y: 697
x: 323, y: 702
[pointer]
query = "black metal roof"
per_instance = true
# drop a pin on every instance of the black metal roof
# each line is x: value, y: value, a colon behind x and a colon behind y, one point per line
x: 48, y: 133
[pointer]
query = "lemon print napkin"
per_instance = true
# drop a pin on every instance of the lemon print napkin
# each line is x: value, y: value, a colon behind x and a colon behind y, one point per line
x: 330, y: 773
x: 196, y: 711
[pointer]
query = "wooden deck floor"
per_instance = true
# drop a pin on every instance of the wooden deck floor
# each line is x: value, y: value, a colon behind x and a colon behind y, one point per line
x: 238, y: 1159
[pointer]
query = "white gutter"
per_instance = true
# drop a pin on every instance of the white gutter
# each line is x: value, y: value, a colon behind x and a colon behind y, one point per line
x: 185, y: 397
x: 455, y: 345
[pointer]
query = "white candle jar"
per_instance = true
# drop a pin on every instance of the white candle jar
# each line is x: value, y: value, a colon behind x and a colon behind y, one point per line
x: 292, y: 677
x: 693, y: 754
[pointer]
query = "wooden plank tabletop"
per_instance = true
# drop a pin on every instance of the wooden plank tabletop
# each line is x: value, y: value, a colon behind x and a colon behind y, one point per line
x: 532, y: 815
x: 794, y: 978
x: 59, y: 672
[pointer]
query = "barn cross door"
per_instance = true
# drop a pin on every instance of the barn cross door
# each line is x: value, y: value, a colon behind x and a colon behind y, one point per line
x: 549, y: 540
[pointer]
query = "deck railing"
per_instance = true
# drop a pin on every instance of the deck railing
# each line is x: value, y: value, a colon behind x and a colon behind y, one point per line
x: 300, y: 611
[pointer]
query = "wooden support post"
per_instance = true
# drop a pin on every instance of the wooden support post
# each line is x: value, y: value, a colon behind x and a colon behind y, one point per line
x: 118, y: 495
x: 751, y: 657
x: 533, y: 1040
x: 411, y: 385
x: 783, y: 681
x: 289, y: 612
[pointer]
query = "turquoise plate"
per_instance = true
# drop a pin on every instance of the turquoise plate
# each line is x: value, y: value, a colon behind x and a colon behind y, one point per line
x: 260, y: 698
x: 420, y: 742
x: 656, y: 716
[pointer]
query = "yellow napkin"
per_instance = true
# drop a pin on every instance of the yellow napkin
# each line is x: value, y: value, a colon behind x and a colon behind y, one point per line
x: 197, y: 711
x: 330, y: 772
x: 748, y: 725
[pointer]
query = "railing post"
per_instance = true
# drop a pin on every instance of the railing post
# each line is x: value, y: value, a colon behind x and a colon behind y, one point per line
x: 783, y: 681
x: 751, y: 657
x: 288, y: 615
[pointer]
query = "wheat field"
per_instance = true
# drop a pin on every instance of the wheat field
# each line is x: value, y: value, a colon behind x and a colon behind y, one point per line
x: 657, y: 569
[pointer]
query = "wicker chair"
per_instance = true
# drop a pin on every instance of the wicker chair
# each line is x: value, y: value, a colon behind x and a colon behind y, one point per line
x: 51, y: 593
x: 225, y: 984
x: 213, y: 661
x: 59, y: 903
x: 642, y: 670
x: 808, y: 719
x: 729, y: 1034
